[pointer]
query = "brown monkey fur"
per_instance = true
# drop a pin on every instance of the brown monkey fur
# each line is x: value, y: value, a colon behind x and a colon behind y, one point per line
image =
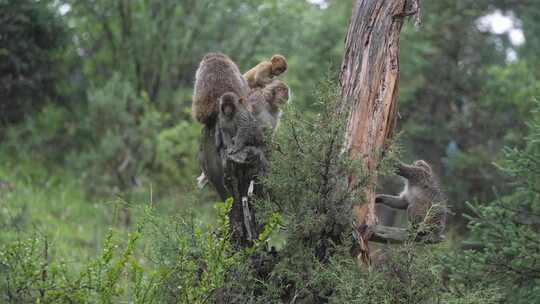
x: 217, y: 74
x: 422, y: 197
x: 262, y: 73
x: 236, y: 126
x: 266, y: 103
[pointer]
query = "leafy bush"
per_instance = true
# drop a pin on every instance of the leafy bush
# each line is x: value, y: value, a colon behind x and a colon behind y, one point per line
x: 186, y: 263
x: 120, y: 129
x: 32, y: 41
x: 506, y: 250
x: 176, y: 155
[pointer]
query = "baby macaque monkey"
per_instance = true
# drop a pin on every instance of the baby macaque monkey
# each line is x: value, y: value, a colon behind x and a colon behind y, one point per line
x: 266, y: 103
x: 236, y: 126
x: 422, y: 197
x: 263, y: 73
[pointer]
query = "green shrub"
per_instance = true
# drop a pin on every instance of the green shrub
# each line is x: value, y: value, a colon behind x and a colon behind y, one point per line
x: 184, y: 262
x: 33, y: 39
x: 120, y: 129
x: 505, y: 250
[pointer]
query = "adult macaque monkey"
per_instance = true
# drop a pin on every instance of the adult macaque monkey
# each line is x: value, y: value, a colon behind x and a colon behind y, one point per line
x: 238, y: 134
x: 422, y: 197
x: 263, y: 73
x: 266, y: 103
x: 217, y: 74
x: 236, y: 126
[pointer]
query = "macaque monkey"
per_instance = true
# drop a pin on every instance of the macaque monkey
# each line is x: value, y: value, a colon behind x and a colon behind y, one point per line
x: 422, y: 197
x: 266, y: 103
x: 211, y: 162
x: 236, y: 126
x: 262, y: 73
x: 217, y: 74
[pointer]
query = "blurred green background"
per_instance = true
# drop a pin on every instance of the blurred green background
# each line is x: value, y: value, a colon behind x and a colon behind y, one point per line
x: 95, y: 100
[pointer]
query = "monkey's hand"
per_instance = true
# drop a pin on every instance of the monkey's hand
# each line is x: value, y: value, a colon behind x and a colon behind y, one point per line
x: 202, y: 181
x: 237, y: 155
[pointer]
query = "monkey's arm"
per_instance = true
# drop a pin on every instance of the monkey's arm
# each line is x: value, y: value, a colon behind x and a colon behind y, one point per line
x: 217, y: 137
x: 391, y: 201
x: 226, y: 140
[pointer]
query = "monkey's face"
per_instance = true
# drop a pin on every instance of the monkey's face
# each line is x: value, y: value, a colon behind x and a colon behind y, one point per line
x: 228, y: 110
x: 278, y: 70
x: 228, y: 104
x: 279, y: 65
x: 281, y: 95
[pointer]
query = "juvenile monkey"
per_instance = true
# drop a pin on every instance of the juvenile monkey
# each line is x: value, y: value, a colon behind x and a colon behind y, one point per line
x: 262, y: 73
x: 422, y: 191
x: 217, y: 74
x: 266, y: 103
x: 236, y: 126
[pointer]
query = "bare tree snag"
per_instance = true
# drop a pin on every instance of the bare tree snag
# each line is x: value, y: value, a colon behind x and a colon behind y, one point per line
x: 369, y: 89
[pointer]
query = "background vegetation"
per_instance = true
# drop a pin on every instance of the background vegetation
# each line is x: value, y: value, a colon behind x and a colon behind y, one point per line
x: 98, y: 201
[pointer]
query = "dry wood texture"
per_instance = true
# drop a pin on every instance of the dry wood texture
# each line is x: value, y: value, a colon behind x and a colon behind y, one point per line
x: 369, y: 89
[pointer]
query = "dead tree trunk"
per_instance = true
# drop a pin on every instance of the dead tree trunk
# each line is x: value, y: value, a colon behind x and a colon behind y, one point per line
x: 369, y: 90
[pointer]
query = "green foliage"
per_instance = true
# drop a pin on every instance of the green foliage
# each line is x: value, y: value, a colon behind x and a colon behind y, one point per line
x: 109, y: 112
x: 176, y: 155
x: 505, y: 232
x: 185, y: 263
x: 32, y: 42
x: 121, y: 130
x: 193, y: 258
x: 307, y: 175
x: 461, y: 101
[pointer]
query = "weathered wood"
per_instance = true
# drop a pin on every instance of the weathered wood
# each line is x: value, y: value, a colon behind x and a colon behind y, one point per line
x: 395, y: 235
x: 233, y: 178
x: 386, y: 234
x: 369, y: 90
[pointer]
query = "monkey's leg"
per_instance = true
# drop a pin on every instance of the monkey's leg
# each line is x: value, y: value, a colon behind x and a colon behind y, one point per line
x: 262, y: 79
x: 211, y: 161
x: 391, y: 201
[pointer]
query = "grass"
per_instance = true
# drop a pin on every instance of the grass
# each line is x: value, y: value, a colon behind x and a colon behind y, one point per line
x: 50, y: 202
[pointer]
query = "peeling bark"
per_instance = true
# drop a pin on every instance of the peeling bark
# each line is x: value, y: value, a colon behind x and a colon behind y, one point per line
x: 369, y: 89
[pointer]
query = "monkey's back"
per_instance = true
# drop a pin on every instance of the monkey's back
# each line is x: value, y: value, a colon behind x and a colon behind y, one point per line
x: 261, y: 109
x: 429, y: 204
x: 217, y: 74
x: 249, y: 131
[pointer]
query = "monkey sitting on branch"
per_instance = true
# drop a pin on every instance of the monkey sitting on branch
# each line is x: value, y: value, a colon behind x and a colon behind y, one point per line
x: 216, y: 75
x: 231, y: 147
x: 237, y: 130
x: 266, y: 104
x: 263, y: 73
x: 423, y: 199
